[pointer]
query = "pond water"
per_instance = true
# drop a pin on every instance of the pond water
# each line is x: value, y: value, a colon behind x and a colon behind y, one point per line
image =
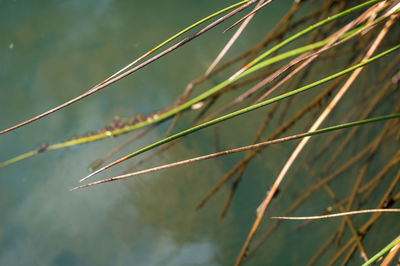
x: 50, y: 52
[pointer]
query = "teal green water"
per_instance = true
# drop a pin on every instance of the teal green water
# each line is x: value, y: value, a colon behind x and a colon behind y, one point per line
x: 50, y: 52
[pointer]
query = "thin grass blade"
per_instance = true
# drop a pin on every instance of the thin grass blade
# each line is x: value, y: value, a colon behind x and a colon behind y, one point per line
x: 245, y: 148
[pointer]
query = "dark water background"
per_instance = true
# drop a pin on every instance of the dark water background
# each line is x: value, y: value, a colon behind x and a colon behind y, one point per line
x: 51, y: 51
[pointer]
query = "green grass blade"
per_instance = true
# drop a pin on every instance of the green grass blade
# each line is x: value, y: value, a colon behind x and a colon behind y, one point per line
x: 242, y: 149
x: 126, y: 71
x: 382, y: 252
x: 245, y: 110
x: 198, y: 23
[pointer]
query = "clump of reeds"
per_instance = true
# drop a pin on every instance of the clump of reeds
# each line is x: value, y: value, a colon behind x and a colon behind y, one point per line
x: 361, y: 35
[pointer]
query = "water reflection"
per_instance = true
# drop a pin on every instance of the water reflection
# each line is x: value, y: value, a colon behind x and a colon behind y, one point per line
x: 149, y: 222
